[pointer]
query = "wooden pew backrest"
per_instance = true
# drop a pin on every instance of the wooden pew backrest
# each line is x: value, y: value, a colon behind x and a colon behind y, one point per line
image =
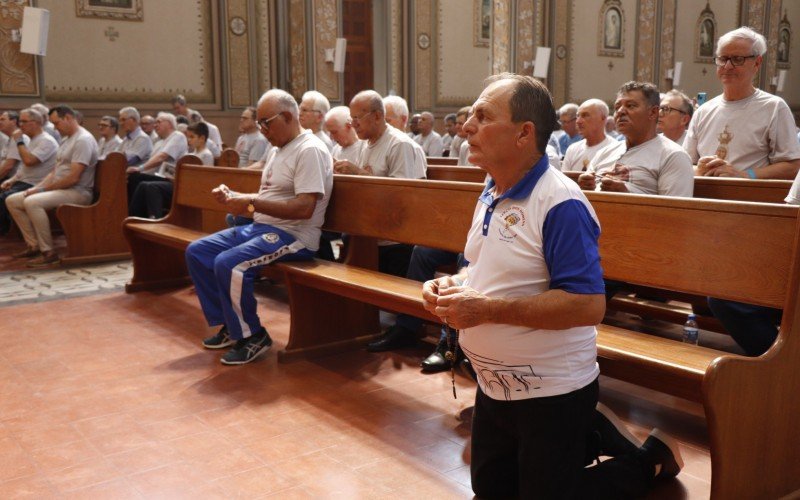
x: 460, y: 174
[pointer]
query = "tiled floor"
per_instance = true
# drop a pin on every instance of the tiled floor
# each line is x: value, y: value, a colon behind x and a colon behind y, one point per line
x: 111, y: 396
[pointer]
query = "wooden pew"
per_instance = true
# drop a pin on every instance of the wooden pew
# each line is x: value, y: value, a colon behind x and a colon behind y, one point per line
x: 733, y: 250
x: 158, y: 245
x: 442, y: 160
x: 455, y: 173
x: 94, y: 232
x: 729, y: 188
x: 228, y: 158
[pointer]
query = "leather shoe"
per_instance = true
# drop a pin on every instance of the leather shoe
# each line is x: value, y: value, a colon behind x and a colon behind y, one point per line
x: 435, y: 363
x: 393, y: 338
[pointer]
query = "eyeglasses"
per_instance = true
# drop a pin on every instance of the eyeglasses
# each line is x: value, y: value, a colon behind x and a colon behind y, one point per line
x: 264, y: 122
x: 735, y: 61
x: 104, y: 125
x: 354, y: 119
x: 665, y: 110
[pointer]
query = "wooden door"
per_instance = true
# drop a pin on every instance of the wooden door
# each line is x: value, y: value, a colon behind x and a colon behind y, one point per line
x: 357, y: 29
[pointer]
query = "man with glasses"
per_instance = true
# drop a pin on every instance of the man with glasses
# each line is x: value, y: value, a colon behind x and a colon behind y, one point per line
x: 31, y: 155
x: 745, y: 132
x: 568, y: 117
x: 251, y: 145
x: 109, y: 140
x: 645, y: 163
x: 674, y: 115
x: 313, y: 108
x: 288, y: 212
x: 149, y: 127
x: 136, y: 145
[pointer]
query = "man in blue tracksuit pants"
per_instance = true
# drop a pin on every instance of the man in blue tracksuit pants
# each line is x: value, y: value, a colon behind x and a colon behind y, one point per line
x: 288, y: 212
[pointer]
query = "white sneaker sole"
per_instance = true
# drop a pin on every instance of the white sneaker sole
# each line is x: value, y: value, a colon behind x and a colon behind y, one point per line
x: 619, y: 424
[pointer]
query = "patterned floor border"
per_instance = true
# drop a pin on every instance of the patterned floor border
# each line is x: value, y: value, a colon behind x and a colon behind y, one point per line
x: 25, y: 286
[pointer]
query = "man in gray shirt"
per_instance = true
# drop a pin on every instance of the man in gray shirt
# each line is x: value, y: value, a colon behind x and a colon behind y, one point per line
x: 251, y: 145
x: 136, y: 144
x: 71, y: 181
x: 109, y: 140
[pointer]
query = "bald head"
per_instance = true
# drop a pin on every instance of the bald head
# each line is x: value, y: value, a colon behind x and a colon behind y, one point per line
x: 367, y: 115
x: 591, y: 120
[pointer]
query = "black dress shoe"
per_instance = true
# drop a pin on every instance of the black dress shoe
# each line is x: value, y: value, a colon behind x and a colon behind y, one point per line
x: 394, y: 338
x: 435, y: 363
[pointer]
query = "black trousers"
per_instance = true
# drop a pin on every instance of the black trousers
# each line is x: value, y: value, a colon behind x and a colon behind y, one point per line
x: 536, y: 448
x: 151, y: 198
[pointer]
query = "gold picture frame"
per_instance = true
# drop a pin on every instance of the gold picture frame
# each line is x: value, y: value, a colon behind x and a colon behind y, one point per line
x: 482, y: 23
x: 118, y: 10
x: 611, y: 29
x: 705, y: 35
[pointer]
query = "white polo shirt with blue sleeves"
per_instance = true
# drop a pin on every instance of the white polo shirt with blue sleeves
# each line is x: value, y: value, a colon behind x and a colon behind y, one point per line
x: 540, y: 235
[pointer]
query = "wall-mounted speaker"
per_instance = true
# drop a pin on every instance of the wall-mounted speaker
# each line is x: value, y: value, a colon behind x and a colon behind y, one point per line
x: 35, y: 25
x: 338, y: 58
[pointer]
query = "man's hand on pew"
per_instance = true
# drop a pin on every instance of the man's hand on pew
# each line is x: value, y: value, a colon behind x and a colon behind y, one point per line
x: 349, y: 168
x: 587, y: 181
x: 237, y: 203
x: 714, y: 166
x: 608, y: 183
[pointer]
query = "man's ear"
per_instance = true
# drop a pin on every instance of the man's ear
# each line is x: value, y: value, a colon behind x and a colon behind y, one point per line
x: 527, y: 134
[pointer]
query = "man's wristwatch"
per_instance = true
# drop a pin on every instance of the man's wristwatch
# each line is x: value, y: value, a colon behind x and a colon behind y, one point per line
x: 250, y: 207
x: 20, y: 143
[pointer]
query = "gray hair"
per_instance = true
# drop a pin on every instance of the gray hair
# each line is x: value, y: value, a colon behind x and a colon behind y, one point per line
x: 686, y: 103
x: 112, y: 122
x: 130, y: 112
x: 530, y: 102
x: 375, y: 100
x: 163, y: 115
x: 179, y: 99
x: 570, y: 109
x: 397, y: 103
x: 283, y: 100
x: 450, y: 117
x: 428, y: 114
x: 43, y: 110
x: 756, y: 39
x: 319, y: 102
x: 339, y: 114
x: 34, y: 114
x: 598, y: 104
x: 650, y: 92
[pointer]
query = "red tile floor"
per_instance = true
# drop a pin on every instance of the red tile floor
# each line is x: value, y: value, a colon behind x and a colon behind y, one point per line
x: 111, y: 396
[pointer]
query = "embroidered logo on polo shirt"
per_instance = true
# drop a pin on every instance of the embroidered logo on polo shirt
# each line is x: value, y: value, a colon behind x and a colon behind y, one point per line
x: 271, y: 238
x: 513, y: 219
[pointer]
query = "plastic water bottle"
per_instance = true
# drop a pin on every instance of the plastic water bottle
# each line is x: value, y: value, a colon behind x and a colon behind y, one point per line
x: 690, y: 330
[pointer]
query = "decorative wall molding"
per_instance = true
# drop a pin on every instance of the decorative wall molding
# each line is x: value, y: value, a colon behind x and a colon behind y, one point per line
x: 501, y: 36
x: 669, y: 9
x: 526, y: 36
x: 298, y: 83
x: 326, y: 23
x: 771, y: 62
x: 784, y: 56
x: 561, y: 35
x: 646, y: 41
x: 705, y: 36
x: 19, y: 73
x: 611, y: 29
x: 264, y: 27
x: 424, y: 58
x: 237, y: 30
x: 396, y: 50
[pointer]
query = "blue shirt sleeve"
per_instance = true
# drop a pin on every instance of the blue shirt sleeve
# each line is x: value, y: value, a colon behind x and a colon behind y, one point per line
x: 570, y: 249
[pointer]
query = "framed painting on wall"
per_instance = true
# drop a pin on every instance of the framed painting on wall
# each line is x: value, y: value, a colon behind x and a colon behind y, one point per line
x: 784, y: 43
x: 611, y: 29
x: 705, y: 36
x: 120, y: 10
x: 482, y: 21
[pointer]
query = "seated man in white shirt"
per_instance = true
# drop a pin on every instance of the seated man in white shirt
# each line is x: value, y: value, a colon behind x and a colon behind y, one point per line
x: 148, y: 125
x: 645, y: 163
x: 450, y: 132
x: 413, y: 125
x: 396, y: 111
x: 460, y: 138
x: 136, y: 143
x: 429, y: 139
x: 744, y: 132
x: 313, y: 108
x: 591, y: 123
x: 251, y: 145
x: 109, y: 140
x: 388, y: 153
x: 674, y: 115
x: 347, y: 144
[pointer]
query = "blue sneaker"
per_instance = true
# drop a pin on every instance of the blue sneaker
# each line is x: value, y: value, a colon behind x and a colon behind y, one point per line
x: 246, y: 350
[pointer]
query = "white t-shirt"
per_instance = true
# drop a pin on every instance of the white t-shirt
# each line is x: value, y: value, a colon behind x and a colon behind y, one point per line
x: 752, y: 132
x: 4, y: 141
x: 431, y: 144
x: 251, y: 148
x: 579, y: 155
x: 214, y: 137
x: 304, y: 165
x: 463, y: 154
x: 206, y: 158
x: 175, y: 146
x: 136, y: 144
x: 44, y: 147
x: 108, y: 146
x: 540, y: 235
x: 394, y: 154
x: 659, y: 166
x: 447, y: 140
x: 11, y: 152
x: 326, y: 139
x: 455, y: 147
x: 350, y: 153
x: 794, y: 192
x: 80, y: 147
